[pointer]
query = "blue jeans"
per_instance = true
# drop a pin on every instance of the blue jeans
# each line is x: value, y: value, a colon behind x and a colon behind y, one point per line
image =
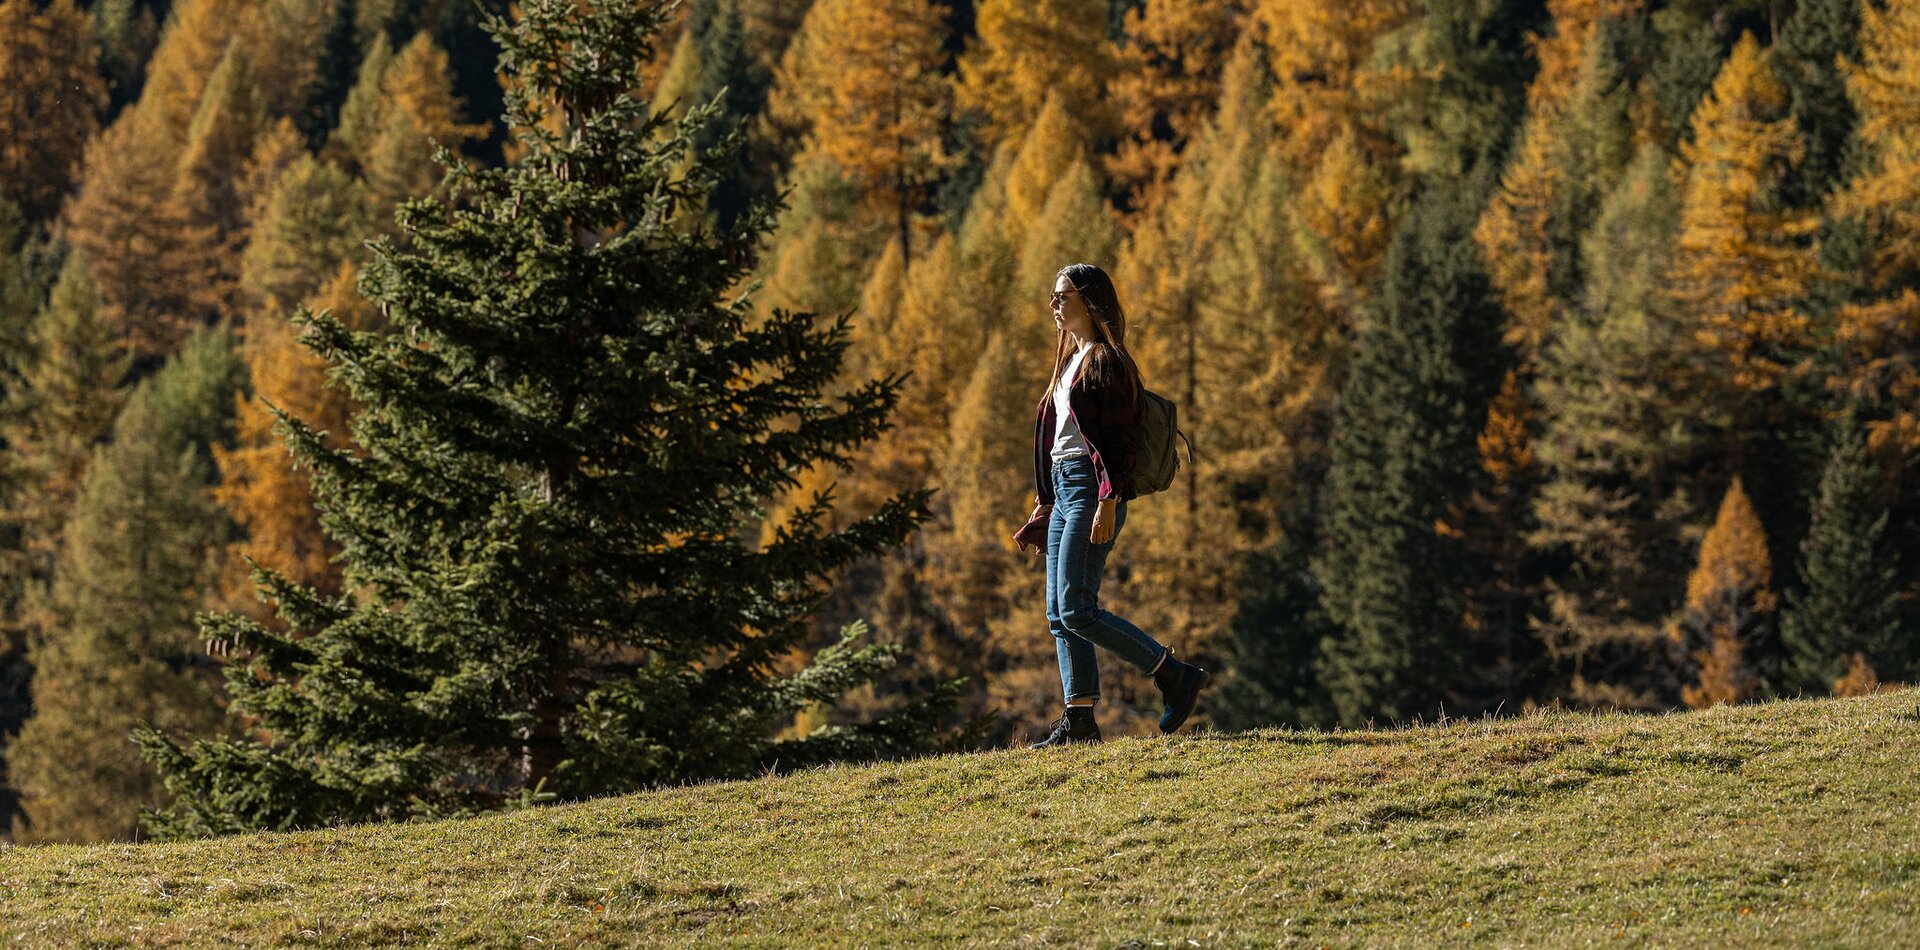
x: 1074, y: 565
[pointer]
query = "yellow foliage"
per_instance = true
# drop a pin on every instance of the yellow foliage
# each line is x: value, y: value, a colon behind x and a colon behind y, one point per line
x: 191, y: 44
x: 219, y: 145
x: 1341, y: 222
x: 1512, y: 234
x: 1076, y: 224
x: 155, y: 266
x: 1724, y: 675
x: 1741, y: 260
x: 1877, y: 336
x: 1725, y: 593
x: 281, y: 40
x: 418, y: 109
x: 1734, y: 566
x: 1505, y: 447
x: 51, y: 95
x: 259, y: 486
x: 879, y: 99
x: 1050, y: 146
x: 1170, y: 73
x: 1028, y: 50
x: 879, y: 298
x: 1320, y: 51
x: 674, y: 92
x: 1858, y: 680
x: 1575, y: 22
x: 1885, y: 87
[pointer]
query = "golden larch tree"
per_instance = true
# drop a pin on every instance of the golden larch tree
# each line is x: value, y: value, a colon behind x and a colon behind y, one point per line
x: 1076, y: 224
x: 1168, y: 78
x: 1727, y: 598
x: 418, y: 109
x: 1325, y: 85
x: 1341, y: 220
x: 1743, y: 261
x: 1024, y: 51
x: 877, y: 101
x: 361, y: 114
x: 156, y: 269
x: 673, y: 94
x: 192, y: 42
x: 984, y: 480
x: 150, y: 221
x: 282, y: 39
x: 1051, y: 145
x: 1552, y: 185
x: 1878, y: 334
x: 211, y: 172
x: 51, y: 96
x: 259, y: 486
x: 823, y: 245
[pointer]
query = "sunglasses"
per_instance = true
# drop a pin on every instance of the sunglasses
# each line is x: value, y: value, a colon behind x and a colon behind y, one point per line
x: 1057, y: 298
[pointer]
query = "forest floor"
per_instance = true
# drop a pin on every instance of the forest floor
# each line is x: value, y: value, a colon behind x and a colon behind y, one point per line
x: 1780, y: 823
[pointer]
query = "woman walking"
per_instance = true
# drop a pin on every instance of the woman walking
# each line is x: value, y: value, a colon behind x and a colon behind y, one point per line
x: 1083, y: 455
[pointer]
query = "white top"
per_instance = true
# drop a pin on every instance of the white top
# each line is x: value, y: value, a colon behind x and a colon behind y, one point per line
x: 1067, y: 438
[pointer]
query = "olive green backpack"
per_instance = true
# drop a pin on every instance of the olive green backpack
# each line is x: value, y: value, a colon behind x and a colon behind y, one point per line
x: 1157, y: 458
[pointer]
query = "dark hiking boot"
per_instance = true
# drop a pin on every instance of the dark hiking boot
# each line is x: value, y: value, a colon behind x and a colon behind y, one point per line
x: 1076, y: 725
x: 1180, y: 685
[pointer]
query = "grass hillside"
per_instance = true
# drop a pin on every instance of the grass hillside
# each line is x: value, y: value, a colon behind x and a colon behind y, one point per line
x: 1777, y: 823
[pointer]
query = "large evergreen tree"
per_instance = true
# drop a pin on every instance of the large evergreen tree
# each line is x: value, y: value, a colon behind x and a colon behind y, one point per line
x: 1812, y: 43
x: 1420, y: 380
x: 565, y: 431
x: 1848, y: 602
x: 1270, y: 643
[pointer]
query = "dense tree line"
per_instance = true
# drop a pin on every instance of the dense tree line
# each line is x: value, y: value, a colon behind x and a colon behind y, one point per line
x: 1537, y: 351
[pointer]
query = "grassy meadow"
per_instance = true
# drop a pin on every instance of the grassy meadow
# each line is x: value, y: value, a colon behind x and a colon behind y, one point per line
x: 1778, y: 823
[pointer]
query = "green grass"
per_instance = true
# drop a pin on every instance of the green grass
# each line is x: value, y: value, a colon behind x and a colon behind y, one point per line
x: 1776, y: 823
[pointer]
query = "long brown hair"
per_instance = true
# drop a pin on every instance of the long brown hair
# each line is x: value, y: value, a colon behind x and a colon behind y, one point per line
x: 1108, y: 362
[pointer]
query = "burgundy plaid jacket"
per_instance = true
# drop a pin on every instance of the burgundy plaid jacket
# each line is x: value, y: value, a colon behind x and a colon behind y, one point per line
x: 1105, y: 415
x: 1106, y: 419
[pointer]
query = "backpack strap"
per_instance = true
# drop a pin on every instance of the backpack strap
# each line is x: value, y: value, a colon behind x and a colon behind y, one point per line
x: 1183, y: 438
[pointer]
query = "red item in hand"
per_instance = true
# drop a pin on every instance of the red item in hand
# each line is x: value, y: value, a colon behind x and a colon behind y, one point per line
x: 1034, y: 532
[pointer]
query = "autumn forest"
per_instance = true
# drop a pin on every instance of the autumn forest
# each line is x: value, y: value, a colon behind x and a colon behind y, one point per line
x: 1534, y: 353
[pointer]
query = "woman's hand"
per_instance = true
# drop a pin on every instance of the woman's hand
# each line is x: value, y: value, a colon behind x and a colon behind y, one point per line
x: 1103, y: 520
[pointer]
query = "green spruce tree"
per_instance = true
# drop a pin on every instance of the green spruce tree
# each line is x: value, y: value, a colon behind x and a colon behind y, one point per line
x: 1848, y: 599
x: 563, y: 440
x: 730, y: 73
x: 1812, y: 42
x: 1271, y: 641
x: 1421, y: 376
